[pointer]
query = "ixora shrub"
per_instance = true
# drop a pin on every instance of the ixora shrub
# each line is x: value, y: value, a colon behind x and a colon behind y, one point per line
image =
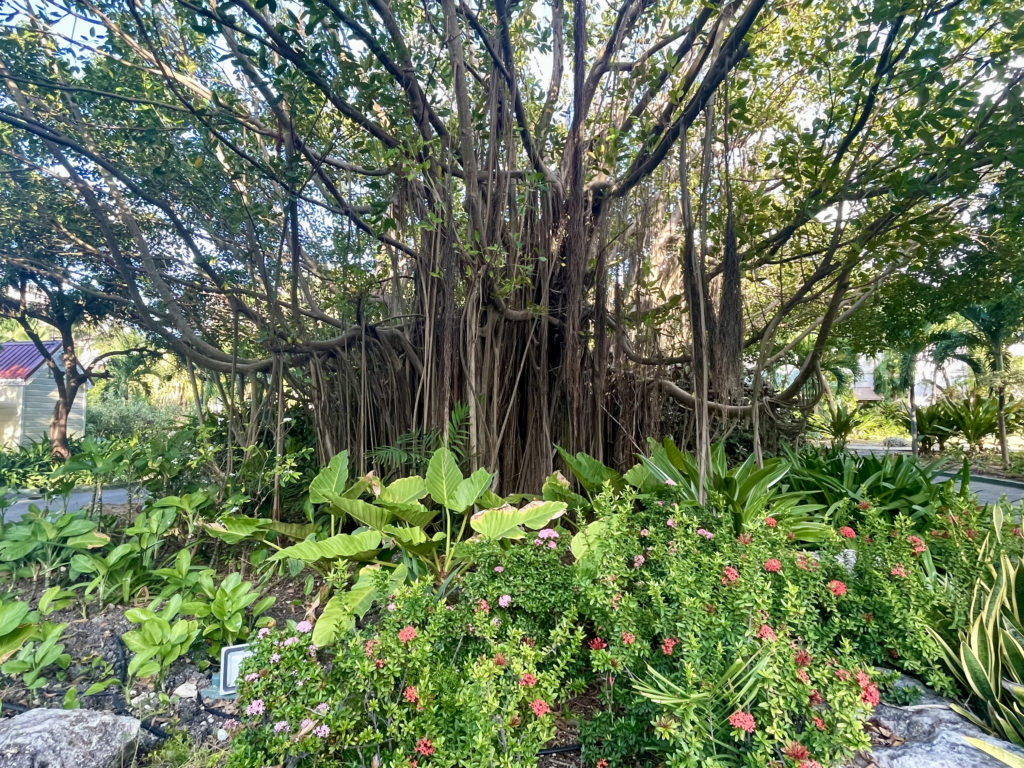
x: 669, y: 637
x: 472, y: 680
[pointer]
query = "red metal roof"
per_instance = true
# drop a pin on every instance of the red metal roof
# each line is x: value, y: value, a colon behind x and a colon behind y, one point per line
x: 20, y: 359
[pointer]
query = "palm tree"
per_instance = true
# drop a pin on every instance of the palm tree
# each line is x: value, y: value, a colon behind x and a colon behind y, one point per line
x: 992, y: 328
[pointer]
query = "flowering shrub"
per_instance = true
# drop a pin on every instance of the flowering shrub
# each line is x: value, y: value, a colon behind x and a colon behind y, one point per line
x: 671, y: 638
x: 426, y: 684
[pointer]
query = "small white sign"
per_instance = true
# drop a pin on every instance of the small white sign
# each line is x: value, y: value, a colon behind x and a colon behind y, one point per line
x: 231, y: 658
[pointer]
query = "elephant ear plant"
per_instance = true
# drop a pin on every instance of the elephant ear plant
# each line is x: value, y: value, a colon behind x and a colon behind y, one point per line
x: 411, y: 526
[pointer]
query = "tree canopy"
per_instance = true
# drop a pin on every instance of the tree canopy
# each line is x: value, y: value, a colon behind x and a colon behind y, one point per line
x: 591, y: 223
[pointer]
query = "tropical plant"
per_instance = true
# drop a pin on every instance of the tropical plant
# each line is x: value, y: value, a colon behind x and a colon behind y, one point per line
x: 838, y: 423
x: 411, y: 452
x: 37, y: 546
x: 38, y: 655
x: 161, y: 638
x: 893, y: 483
x: 935, y: 425
x: 987, y: 656
x: 975, y: 418
x: 397, y: 530
x: 231, y: 610
x: 17, y: 625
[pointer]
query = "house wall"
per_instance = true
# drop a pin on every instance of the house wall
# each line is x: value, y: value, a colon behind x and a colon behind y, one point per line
x: 10, y: 415
x: 40, y: 395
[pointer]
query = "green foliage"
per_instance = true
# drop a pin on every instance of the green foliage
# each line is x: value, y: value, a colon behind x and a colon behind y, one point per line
x: 161, y: 639
x: 975, y: 418
x: 231, y: 610
x: 412, y: 451
x: 896, y: 484
x: 34, y: 658
x: 110, y: 418
x: 421, y: 684
x: 987, y: 656
x: 37, y: 546
x: 838, y: 423
x: 17, y: 625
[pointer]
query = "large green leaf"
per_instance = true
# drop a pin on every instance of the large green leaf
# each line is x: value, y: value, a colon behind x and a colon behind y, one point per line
x: 348, y: 546
x: 363, y: 512
x: 342, y: 610
x: 235, y: 528
x: 331, y: 480
x: 590, y: 472
x: 539, y: 513
x: 11, y: 615
x: 405, y: 490
x: 469, y: 490
x: 414, y: 539
x: 587, y: 538
x: 498, y: 523
x: 443, y: 477
x: 413, y: 514
x: 506, y: 522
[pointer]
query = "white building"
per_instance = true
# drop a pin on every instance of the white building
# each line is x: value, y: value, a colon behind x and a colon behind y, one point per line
x: 28, y: 394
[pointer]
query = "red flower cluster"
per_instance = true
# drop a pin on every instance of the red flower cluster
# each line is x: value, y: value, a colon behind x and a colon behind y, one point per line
x: 628, y: 638
x: 602, y: 763
x: 818, y: 723
x: 527, y: 680
x: 773, y: 565
x: 742, y: 720
x: 597, y: 644
x: 803, y: 658
x: 815, y: 699
x: 796, y: 751
x: 500, y: 659
x: 864, y: 504
x: 539, y: 707
x: 668, y: 645
x: 407, y: 634
x: 409, y: 694
x: 804, y: 677
x: 482, y: 605
x: 744, y: 539
x: 868, y: 690
x: 766, y: 633
x: 771, y: 522
x: 917, y: 544
x: 899, y: 571
x: 370, y: 647
x: 837, y: 587
x: 425, y: 747
x: 847, y: 532
x: 729, y: 574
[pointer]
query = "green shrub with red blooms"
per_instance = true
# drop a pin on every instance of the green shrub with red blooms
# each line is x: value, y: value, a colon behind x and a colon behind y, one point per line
x: 426, y: 682
x: 699, y: 650
x: 669, y: 639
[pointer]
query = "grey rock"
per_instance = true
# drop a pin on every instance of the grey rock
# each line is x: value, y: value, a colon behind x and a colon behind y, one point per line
x: 68, y: 738
x: 935, y: 738
x: 186, y: 691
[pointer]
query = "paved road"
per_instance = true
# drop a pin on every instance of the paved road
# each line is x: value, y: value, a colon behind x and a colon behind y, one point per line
x: 79, y: 499
x: 989, y: 490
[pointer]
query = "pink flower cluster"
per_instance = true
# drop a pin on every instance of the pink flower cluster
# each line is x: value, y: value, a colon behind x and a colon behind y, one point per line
x: 847, y: 532
x: 744, y: 721
x: 729, y: 574
x: 407, y: 634
x: 837, y: 587
x: 705, y: 533
x: 773, y: 565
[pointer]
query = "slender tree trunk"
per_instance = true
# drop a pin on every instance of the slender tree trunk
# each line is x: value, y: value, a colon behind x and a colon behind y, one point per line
x: 913, y: 408
x: 1004, y: 450
x: 59, y: 429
